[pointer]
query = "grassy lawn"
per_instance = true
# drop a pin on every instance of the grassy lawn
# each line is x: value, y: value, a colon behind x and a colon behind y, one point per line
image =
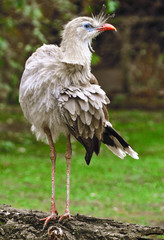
x: 128, y: 190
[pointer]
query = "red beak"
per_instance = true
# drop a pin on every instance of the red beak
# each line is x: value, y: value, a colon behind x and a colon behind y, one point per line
x: 106, y: 27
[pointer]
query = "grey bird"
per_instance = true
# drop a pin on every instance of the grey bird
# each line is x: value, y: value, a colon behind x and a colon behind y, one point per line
x: 59, y: 95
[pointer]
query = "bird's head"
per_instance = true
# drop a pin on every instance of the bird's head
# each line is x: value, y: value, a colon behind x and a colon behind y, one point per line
x: 86, y: 28
x: 77, y: 37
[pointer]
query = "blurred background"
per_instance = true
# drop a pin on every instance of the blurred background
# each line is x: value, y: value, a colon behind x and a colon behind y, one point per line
x: 129, y: 65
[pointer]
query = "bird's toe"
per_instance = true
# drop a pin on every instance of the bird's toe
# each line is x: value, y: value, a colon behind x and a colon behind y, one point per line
x: 47, y: 219
x: 66, y: 215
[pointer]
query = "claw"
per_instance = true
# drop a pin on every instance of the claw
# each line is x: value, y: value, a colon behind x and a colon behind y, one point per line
x: 65, y: 215
x: 47, y: 219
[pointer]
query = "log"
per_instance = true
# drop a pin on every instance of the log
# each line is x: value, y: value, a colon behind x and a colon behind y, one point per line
x: 26, y: 224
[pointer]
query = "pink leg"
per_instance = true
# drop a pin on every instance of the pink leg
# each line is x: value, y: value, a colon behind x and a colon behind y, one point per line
x: 68, y: 157
x: 54, y: 212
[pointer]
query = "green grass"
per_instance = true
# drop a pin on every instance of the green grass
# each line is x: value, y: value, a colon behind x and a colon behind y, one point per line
x: 128, y: 190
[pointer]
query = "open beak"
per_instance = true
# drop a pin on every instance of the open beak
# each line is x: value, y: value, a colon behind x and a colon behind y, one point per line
x: 106, y: 27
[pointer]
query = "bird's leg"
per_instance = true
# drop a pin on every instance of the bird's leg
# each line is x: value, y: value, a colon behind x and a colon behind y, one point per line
x: 54, y: 212
x: 68, y: 156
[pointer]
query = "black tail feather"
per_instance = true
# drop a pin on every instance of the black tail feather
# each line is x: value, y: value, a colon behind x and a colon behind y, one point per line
x: 111, y: 132
x: 116, y: 143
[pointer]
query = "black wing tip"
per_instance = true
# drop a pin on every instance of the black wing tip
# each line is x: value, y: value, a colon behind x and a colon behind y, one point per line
x: 95, y: 149
x: 91, y: 144
x: 88, y: 157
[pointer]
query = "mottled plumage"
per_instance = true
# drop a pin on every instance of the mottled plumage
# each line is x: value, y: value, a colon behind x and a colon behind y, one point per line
x: 59, y: 94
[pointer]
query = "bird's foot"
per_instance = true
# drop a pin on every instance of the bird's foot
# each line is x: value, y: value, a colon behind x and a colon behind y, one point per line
x: 47, y: 219
x: 66, y: 215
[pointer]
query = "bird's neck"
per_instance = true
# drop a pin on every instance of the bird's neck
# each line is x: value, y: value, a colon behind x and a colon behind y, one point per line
x: 76, y: 51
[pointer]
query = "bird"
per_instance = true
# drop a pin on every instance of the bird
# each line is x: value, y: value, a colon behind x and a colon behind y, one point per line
x: 59, y: 94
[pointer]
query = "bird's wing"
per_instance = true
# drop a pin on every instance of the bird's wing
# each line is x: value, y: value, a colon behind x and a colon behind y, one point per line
x: 83, y: 112
x: 93, y: 80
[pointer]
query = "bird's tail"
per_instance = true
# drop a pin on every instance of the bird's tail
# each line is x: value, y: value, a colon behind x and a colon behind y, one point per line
x: 113, y: 140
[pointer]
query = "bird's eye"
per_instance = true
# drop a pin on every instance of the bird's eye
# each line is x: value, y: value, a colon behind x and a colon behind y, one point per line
x: 87, y: 26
